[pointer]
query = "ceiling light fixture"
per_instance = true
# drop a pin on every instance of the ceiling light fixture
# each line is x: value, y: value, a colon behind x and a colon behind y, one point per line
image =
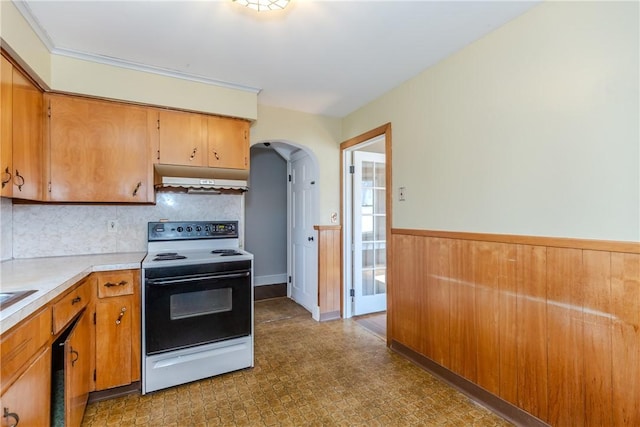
x: 263, y: 5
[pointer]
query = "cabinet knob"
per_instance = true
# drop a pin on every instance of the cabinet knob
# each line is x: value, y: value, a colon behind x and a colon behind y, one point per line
x: 18, y: 180
x: 75, y: 300
x: 7, y: 177
x: 76, y: 354
x: 119, y: 320
x: 135, y: 190
x: 13, y: 415
x: 111, y: 284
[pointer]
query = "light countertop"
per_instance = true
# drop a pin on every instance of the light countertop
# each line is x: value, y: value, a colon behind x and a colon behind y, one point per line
x: 51, y: 277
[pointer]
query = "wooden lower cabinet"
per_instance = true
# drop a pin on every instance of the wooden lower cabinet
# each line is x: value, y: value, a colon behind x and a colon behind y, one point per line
x: 117, y: 329
x: 52, y: 356
x: 113, y: 343
x: 77, y: 370
x: 28, y: 399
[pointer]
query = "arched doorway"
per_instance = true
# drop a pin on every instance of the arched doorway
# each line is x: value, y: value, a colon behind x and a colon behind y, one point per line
x: 280, y: 212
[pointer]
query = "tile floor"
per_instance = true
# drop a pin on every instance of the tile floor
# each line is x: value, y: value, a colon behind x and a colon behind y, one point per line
x: 306, y: 374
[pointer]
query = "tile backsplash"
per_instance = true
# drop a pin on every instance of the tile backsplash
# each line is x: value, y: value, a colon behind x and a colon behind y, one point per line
x: 39, y: 230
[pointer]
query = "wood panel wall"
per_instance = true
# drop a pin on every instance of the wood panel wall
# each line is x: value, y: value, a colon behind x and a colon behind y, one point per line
x: 550, y: 325
x: 329, y: 271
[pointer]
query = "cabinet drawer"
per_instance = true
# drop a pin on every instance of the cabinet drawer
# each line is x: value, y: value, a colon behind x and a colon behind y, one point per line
x: 19, y: 346
x: 65, y: 309
x: 115, y: 283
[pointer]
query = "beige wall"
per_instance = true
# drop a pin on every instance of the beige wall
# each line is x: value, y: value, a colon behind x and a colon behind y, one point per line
x: 320, y: 135
x: 91, y: 78
x: 531, y: 130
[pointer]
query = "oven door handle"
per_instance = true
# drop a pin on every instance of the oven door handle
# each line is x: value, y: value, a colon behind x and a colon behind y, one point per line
x: 161, y: 282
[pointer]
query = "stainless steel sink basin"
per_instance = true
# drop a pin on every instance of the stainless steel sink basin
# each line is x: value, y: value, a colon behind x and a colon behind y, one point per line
x: 11, y: 297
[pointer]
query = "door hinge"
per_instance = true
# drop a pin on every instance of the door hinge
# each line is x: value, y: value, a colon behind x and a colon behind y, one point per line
x: 289, y: 279
x: 158, y: 154
x: 352, y: 292
x: 49, y: 110
x: 352, y: 169
x: 158, y: 122
x: 289, y: 177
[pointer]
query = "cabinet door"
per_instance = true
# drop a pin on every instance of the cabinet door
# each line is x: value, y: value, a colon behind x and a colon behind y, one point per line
x: 182, y: 139
x: 28, y: 147
x: 99, y: 150
x: 77, y: 365
x: 6, y: 119
x: 29, y: 397
x: 228, y: 143
x: 114, y: 320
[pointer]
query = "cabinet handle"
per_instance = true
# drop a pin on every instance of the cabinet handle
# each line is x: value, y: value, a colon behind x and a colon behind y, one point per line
x: 13, y: 415
x: 8, y: 175
x: 21, y: 178
x: 110, y: 285
x: 215, y: 153
x: 119, y: 320
x: 135, y: 190
x: 193, y: 154
x: 76, y: 354
x: 75, y: 300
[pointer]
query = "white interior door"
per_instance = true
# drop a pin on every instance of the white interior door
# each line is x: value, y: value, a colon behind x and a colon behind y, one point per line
x: 369, y: 233
x: 304, y: 280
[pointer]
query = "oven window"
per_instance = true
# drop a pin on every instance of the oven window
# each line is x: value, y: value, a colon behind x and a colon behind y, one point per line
x: 202, y: 303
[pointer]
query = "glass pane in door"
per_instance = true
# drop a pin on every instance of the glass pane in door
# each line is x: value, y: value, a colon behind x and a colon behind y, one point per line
x: 369, y: 233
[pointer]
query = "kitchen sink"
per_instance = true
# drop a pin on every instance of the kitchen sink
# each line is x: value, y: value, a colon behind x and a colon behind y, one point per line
x: 11, y: 297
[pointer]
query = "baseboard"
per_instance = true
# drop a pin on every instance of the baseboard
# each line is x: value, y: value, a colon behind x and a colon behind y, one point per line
x: 111, y: 393
x: 269, y: 291
x: 272, y: 279
x: 330, y: 315
x: 501, y: 407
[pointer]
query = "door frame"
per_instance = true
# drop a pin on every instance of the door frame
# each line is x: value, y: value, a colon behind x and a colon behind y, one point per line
x: 384, y: 130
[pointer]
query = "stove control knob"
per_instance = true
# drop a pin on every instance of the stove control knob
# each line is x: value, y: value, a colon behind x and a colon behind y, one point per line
x: 180, y: 229
x: 189, y: 229
x: 198, y: 228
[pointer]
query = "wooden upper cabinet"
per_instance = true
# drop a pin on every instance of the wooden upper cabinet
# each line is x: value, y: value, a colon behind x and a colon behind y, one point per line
x: 100, y: 151
x: 27, y: 138
x: 182, y: 138
x: 6, y: 128
x: 228, y: 143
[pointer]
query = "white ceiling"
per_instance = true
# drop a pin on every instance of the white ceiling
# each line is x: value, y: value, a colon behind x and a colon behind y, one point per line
x: 321, y: 57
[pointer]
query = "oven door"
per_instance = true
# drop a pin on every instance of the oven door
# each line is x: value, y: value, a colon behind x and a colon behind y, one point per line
x: 192, y: 305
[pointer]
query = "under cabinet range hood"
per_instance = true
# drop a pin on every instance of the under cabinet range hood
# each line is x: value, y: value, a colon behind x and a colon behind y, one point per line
x: 200, y: 179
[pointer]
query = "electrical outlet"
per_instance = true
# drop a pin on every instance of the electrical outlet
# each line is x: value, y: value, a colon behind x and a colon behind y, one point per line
x: 403, y: 194
x: 112, y: 226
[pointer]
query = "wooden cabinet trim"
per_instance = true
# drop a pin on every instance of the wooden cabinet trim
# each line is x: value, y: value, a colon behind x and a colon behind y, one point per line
x: 556, y: 242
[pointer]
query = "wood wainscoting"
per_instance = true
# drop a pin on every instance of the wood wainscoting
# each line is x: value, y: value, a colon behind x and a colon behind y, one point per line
x: 549, y: 325
x: 329, y: 271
